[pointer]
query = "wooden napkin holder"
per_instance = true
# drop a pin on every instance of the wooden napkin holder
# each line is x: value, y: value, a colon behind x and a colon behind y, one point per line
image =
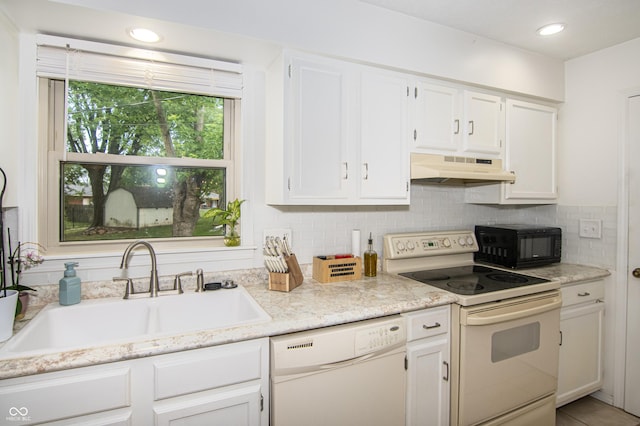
x: 334, y: 270
x: 289, y: 280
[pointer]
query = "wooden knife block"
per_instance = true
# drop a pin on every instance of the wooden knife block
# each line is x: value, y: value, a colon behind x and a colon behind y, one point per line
x: 289, y: 280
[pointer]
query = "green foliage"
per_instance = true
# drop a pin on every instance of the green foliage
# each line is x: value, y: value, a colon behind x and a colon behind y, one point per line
x: 229, y: 217
x: 130, y: 121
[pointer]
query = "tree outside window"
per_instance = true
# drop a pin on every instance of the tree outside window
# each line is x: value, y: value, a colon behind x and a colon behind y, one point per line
x: 142, y: 163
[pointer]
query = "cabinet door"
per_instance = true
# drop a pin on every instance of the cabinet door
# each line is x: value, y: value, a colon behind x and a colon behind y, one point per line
x: 234, y: 407
x: 580, y: 366
x: 482, y: 124
x: 428, y: 382
x: 436, y: 119
x: 531, y: 150
x: 384, y: 130
x: 316, y: 146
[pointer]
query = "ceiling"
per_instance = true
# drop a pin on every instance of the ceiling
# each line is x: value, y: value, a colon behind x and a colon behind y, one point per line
x: 591, y: 25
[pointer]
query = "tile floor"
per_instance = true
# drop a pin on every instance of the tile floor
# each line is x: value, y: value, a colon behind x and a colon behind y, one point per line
x: 589, y: 411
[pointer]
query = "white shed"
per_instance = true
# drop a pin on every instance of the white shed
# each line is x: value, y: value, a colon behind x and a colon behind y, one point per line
x: 138, y: 208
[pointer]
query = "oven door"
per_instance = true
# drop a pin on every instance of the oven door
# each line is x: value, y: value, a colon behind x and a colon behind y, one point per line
x: 508, y: 355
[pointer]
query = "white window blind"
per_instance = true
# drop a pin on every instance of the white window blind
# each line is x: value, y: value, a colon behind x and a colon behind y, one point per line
x: 59, y: 57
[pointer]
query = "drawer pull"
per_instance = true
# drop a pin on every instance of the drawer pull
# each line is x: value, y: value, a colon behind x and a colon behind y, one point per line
x: 586, y: 293
x: 429, y: 327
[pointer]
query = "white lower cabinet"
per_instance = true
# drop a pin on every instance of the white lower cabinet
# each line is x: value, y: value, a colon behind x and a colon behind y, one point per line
x: 226, y: 384
x: 581, y: 328
x: 428, y: 357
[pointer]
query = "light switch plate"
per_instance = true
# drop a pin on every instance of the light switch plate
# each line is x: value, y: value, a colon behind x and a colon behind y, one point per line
x: 590, y: 228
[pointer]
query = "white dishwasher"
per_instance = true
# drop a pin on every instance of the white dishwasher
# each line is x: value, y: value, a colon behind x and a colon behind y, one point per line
x: 352, y: 374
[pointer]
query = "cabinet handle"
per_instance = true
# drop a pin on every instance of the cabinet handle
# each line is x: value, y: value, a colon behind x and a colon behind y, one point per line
x: 366, y: 171
x: 560, y: 338
x: 446, y: 366
x: 429, y: 327
x: 415, y: 134
x: 471, y: 127
x: 457, y: 126
x: 586, y: 293
x: 415, y: 92
x: 346, y: 170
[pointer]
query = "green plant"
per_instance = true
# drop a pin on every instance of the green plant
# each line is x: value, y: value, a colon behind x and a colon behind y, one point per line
x: 228, y: 218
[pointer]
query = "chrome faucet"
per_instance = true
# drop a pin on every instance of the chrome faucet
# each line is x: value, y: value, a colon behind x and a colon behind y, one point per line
x: 153, y: 282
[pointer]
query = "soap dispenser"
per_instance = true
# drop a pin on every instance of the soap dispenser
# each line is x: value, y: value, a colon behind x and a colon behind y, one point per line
x: 69, y: 291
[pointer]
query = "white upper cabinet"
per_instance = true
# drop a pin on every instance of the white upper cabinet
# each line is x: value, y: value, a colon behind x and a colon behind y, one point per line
x: 384, y: 135
x: 482, y: 124
x: 337, y: 133
x: 318, y: 157
x: 436, y: 119
x: 451, y: 121
x: 530, y: 152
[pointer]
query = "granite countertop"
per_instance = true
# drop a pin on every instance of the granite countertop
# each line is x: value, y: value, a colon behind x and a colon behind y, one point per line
x: 311, y: 305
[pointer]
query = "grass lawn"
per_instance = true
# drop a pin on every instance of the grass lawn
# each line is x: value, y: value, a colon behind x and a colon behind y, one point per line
x: 76, y: 233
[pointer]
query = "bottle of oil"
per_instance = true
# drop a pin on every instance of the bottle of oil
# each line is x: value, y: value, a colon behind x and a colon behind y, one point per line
x: 370, y: 260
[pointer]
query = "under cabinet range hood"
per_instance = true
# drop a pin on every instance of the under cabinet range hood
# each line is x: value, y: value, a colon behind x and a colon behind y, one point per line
x: 445, y: 168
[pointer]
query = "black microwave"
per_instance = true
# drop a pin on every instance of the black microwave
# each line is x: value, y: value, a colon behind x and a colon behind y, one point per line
x: 518, y: 246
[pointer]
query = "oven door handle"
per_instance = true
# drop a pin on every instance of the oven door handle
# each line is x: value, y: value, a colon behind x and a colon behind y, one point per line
x: 511, y: 311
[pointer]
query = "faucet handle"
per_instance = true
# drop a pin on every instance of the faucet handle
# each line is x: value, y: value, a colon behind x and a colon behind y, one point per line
x: 128, y: 292
x: 199, y: 280
x: 177, y: 283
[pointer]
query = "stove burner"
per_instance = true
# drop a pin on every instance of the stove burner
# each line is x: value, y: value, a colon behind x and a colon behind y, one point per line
x: 472, y: 279
x: 507, y: 278
x: 465, y: 287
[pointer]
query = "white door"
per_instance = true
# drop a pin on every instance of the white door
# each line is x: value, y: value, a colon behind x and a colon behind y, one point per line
x: 632, y: 375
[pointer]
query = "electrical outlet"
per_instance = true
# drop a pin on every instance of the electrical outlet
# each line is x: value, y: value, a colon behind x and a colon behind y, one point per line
x: 590, y: 228
x: 278, y: 232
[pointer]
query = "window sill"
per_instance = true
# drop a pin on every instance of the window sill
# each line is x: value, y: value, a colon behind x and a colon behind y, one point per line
x: 106, y: 266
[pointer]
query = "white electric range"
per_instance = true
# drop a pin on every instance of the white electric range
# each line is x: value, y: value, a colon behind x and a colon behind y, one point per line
x: 444, y: 259
x: 505, y: 328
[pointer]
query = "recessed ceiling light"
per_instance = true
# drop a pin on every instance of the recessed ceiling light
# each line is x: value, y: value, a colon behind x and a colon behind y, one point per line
x: 145, y: 35
x: 550, y: 29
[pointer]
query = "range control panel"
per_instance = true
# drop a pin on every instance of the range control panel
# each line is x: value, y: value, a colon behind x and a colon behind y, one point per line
x: 422, y: 244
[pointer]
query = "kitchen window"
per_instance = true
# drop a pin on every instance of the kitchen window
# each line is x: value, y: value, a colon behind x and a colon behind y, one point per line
x: 135, y: 149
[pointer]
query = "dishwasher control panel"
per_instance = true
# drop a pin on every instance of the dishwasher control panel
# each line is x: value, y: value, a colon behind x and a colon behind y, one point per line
x: 380, y: 336
x: 307, y: 350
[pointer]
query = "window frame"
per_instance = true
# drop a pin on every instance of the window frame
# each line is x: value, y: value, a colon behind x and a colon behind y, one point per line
x: 52, y: 151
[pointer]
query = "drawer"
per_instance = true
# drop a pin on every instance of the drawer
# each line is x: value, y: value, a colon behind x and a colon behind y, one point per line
x: 66, y: 394
x: 427, y: 323
x: 210, y: 368
x: 584, y: 292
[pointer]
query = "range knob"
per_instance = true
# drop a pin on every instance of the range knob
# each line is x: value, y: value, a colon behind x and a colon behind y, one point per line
x: 446, y: 242
x: 462, y: 241
x: 400, y: 246
x: 470, y: 240
x: 410, y: 246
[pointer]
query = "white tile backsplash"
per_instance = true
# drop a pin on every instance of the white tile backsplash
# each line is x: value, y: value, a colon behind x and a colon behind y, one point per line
x: 324, y: 230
